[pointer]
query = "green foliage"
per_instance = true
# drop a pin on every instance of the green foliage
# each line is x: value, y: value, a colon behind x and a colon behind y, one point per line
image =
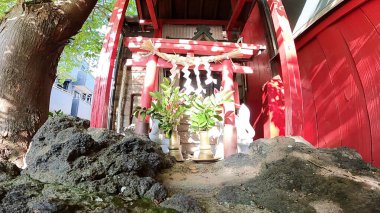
x: 87, y: 44
x: 205, y: 112
x: 169, y: 106
x: 5, y: 6
x: 56, y: 113
x: 142, y: 111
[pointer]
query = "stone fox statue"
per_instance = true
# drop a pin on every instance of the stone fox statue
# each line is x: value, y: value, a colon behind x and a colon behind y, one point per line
x: 244, y: 130
x: 155, y: 135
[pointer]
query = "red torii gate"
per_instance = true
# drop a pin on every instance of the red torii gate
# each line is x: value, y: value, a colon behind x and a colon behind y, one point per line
x: 287, y: 57
x: 181, y: 46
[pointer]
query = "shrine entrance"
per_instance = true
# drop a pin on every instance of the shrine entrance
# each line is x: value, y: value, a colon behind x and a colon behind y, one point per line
x: 201, y: 60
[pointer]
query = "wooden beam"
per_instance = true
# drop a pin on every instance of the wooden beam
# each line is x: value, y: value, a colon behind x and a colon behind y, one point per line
x: 233, y: 4
x: 235, y: 14
x: 139, y: 13
x: 142, y: 126
x: 194, y: 22
x: 182, y: 46
x: 139, y: 10
x: 290, y: 73
x: 184, y: 22
x: 171, y: 8
x: 229, y: 130
x: 201, y: 9
x: 103, y: 74
x: 186, y: 7
x: 152, y: 14
x: 140, y: 21
x: 161, y: 63
x: 216, y: 9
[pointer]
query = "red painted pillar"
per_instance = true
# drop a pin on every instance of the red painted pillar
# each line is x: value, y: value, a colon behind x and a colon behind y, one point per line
x: 273, y: 104
x: 103, y: 75
x: 236, y: 94
x: 142, y: 127
x: 289, y: 69
x: 229, y: 131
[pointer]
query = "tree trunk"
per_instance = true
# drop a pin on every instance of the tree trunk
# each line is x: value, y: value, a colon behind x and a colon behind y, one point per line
x: 32, y: 38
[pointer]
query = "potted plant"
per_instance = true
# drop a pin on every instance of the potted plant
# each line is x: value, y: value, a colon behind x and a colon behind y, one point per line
x: 168, y: 107
x: 204, y: 114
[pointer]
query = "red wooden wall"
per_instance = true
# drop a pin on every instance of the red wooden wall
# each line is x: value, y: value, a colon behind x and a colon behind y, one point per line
x: 255, y: 32
x: 339, y: 63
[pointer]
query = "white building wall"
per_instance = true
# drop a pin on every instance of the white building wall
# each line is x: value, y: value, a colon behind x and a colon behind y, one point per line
x: 60, y: 100
x: 84, y: 110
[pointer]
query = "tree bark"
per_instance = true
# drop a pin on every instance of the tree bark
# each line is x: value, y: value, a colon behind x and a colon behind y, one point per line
x: 32, y: 38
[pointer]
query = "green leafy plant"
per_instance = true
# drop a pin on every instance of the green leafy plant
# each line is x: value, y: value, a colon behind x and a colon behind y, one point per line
x: 142, y: 111
x: 205, y: 112
x: 56, y: 113
x: 168, y: 106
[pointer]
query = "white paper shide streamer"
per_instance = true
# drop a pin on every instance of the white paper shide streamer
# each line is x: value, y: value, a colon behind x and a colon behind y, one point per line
x: 173, y: 70
x: 200, y: 89
x: 186, y: 75
x: 187, y: 62
x: 209, y: 79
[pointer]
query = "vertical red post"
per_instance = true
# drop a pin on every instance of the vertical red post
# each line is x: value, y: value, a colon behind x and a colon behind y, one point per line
x: 103, y: 74
x: 273, y: 103
x: 236, y: 94
x: 289, y: 69
x: 229, y: 131
x: 142, y: 126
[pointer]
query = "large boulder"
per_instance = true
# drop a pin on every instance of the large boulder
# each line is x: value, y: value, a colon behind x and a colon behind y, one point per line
x: 66, y: 151
x: 74, y: 168
x: 8, y: 171
x: 182, y: 203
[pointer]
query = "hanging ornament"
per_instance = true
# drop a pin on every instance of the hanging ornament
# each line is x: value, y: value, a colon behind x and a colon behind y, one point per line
x: 186, y: 75
x: 175, y: 60
x: 173, y: 70
x: 209, y: 79
x: 197, y: 62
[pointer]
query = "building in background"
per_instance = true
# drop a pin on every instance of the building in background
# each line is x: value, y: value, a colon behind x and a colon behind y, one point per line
x: 74, y: 95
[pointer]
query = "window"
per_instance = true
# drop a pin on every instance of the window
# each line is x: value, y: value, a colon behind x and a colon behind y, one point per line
x: 303, y: 13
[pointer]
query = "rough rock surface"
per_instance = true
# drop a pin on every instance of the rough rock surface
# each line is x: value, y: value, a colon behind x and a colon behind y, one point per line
x: 8, y: 171
x: 282, y: 174
x: 71, y: 167
x: 74, y: 168
x: 65, y: 151
x: 182, y: 203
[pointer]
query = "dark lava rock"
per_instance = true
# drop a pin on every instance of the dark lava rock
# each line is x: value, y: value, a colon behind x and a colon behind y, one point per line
x: 24, y: 194
x: 294, y: 174
x: 66, y: 151
x: 235, y: 195
x: 8, y: 171
x: 279, y: 145
x: 182, y: 203
x: 74, y: 168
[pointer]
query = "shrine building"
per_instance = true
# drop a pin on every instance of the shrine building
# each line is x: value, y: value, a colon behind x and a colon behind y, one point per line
x: 303, y: 68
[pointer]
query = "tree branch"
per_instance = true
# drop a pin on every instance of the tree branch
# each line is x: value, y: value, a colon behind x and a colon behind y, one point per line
x: 101, y: 11
x: 76, y: 11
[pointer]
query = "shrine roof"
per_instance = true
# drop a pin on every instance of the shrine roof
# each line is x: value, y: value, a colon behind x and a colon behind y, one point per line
x: 216, y: 12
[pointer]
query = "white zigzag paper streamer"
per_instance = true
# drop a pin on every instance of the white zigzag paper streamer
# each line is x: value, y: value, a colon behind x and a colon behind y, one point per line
x: 173, y: 70
x: 186, y: 75
x: 209, y: 79
x: 200, y: 89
